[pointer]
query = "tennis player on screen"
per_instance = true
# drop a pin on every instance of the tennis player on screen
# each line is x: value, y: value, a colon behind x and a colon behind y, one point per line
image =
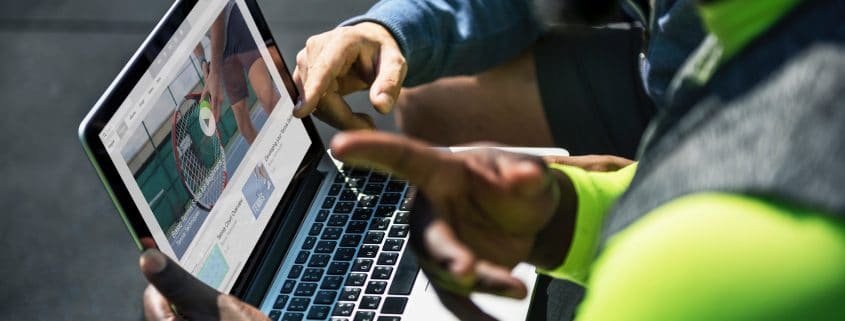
x: 234, y: 60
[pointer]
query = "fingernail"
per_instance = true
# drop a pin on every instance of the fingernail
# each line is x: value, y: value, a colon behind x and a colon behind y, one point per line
x: 340, y: 136
x: 387, y: 99
x: 298, y: 104
x: 153, y: 261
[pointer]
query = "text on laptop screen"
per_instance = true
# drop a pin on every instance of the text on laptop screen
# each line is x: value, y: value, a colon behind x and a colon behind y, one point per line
x: 206, y: 142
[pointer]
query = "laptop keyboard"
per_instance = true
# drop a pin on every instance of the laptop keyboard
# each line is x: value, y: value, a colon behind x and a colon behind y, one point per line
x: 353, y: 265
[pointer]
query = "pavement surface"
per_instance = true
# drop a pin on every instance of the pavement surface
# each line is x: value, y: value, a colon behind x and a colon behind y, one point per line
x: 64, y: 252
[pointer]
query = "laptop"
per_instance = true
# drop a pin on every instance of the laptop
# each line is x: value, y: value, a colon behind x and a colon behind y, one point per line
x: 245, y: 196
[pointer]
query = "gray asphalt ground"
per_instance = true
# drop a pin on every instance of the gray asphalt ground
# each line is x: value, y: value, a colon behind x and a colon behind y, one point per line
x: 64, y: 253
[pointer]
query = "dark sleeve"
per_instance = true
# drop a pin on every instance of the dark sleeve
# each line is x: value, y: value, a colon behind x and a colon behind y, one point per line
x: 453, y: 37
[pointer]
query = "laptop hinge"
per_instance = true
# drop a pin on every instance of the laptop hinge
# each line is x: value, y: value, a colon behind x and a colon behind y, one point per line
x: 278, y: 246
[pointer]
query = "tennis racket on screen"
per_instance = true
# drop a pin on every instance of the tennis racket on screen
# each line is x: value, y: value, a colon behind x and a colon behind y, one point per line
x: 198, y: 151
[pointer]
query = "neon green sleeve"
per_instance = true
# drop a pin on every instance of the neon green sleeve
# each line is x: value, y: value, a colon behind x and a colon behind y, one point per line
x: 721, y: 257
x: 596, y: 193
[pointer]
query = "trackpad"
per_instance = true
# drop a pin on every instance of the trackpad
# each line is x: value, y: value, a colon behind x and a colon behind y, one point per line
x: 424, y: 304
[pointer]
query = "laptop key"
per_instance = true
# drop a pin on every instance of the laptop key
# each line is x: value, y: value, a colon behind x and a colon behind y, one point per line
x: 281, y: 301
x: 335, y: 189
x: 344, y: 254
x: 399, y: 230
x: 338, y: 220
x: 362, y: 265
x: 343, y: 309
x: 402, y: 218
x: 376, y: 287
x: 356, y: 227
x: 406, y: 204
x: 331, y: 282
x: 374, y: 237
x: 382, y: 272
x: 388, y: 258
x: 305, y: 289
x: 293, y: 316
x: 350, y: 294
x: 373, y: 189
x: 332, y: 233
x: 395, y: 186
x: 411, y: 192
x: 319, y: 260
x: 325, y: 247
x: 274, y: 315
x: 344, y: 207
x: 328, y: 202
x: 379, y: 224
x: 369, y: 302
x: 368, y: 251
x: 406, y: 274
x: 288, y: 286
x: 319, y: 312
x: 312, y: 275
x: 390, y: 198
x: 309, y: 243
x: 338, y: 268
x: 377, y: 177
x: 394, y: 305
x: 356, y: 279
x: 302, y: 257
x: 362, y: 214
x: 389, y: 318
x: 385, y: 211
x: 355, y: 182
x: 325, y: 297
x: 322, y: 215
x: 295, y: 271
x: 350, y: 240
x: 316, y: 228
x: 394, y: 245
x: 348, y: 196
x: 299, y: 304
x: 365, y: 316
x: 368, y: 200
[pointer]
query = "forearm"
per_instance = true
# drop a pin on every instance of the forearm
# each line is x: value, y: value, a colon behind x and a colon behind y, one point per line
x: 721, y: 257
x: 449, y: 37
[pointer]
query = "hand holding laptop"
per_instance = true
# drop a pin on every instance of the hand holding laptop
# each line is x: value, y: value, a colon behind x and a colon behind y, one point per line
x: 195, y: 301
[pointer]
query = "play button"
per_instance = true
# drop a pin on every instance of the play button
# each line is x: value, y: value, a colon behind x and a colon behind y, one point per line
x: 207, y: 123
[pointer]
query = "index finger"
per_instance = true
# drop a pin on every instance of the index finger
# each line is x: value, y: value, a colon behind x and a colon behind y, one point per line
x: 405, y: 157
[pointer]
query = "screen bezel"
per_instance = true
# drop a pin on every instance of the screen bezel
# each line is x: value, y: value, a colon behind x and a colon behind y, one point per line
x: 111, y: 100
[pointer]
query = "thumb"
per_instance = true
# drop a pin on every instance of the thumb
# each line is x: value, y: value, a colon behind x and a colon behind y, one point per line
x: 191, y: 297
x: 497, y: 280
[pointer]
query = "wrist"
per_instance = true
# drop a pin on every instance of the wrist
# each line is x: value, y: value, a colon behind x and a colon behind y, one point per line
x: 378, y: 32
x: 552, y: 242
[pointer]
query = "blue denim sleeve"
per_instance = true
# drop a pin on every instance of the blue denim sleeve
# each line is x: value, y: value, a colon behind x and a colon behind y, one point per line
x: 455, y: 37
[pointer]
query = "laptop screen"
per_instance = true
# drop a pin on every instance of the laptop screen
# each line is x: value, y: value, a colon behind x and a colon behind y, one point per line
x: 206, y: 143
